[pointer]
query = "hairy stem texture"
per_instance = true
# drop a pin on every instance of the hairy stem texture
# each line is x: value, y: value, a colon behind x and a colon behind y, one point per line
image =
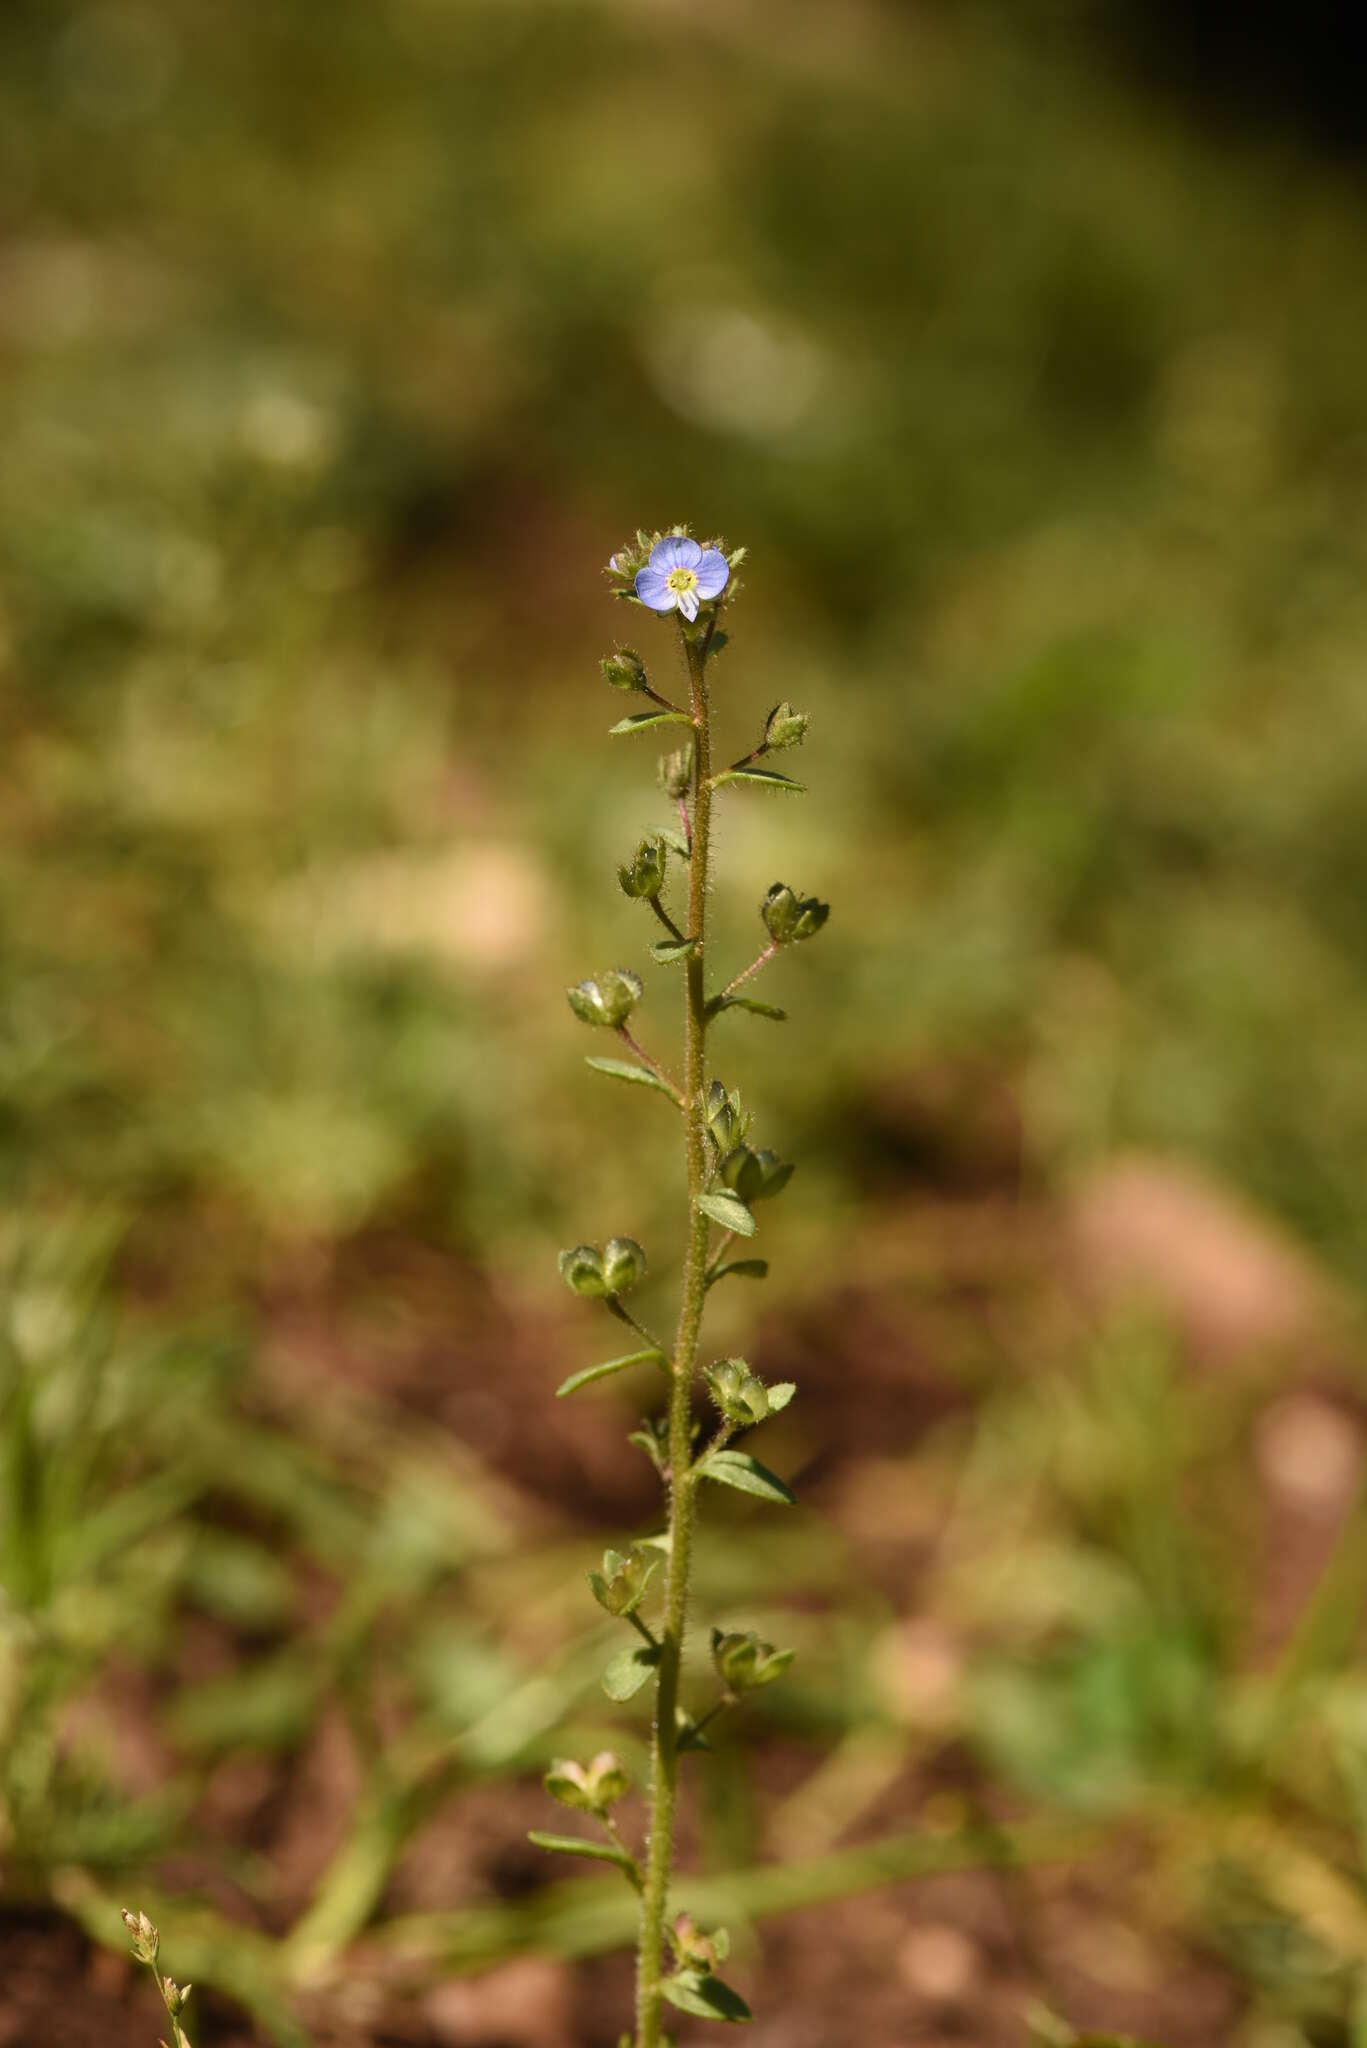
x: 664, y: 1771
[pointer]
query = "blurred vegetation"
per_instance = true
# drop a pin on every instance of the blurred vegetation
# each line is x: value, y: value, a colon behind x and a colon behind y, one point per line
x: 337, y: 349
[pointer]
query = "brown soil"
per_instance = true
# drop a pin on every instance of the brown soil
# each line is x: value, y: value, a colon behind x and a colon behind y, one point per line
x: 956, y: 1959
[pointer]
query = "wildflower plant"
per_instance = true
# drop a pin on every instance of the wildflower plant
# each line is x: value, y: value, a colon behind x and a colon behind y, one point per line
x: 646, y: 1587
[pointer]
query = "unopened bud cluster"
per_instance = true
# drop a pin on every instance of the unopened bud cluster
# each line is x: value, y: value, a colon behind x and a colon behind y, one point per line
x: 591, y: 1788
x: 784, y: 728
x: 145, y: 1937
x: 727, y: 1123
x: 625, y: 669
x: 601, y: 1275
x: 644, y: 875
x: 742, y: 1396
x: 744, y: 1663
x: 755, y: 1176
x: 621, y: 1585
x: 789, y: 918
x: 699, y: 1951
x: 606, y: 998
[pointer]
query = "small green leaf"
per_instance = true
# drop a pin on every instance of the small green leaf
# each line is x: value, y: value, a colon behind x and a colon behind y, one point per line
x: 746, y: 1474
x: 772, y: 1010
x: 623, y: 1070
x: 640, y: 721
x: 728, y: 1210
x: 667, y: 951
x: 630, y: 1670
x: 705, y: 1996
x: 744, y: 1269
x: 644, y: 1441
x: 574, y: 1845
x: 767, y: 778
x: 605, y: 1371
x: 675, y: 841
x: 780, y: 1394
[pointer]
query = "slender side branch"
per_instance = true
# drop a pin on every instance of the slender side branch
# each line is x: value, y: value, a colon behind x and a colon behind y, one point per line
x: 664, y: 1768
x: 761, y: 961
x: 704, y: 1721
x: 644, y: 1057
x: 667, y: 921
x: 624, y: 1315
x: 631, y: 1869
x: 728, y: 1238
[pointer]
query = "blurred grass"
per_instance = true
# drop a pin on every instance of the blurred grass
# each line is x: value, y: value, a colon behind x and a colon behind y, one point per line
x: 336, y: 357
x: 337, y: 349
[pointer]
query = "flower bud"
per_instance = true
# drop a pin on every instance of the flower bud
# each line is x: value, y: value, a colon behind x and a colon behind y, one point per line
x: 784, y: 728
x: 744, y: 1663
x: 697, y: 1951
x: 175, y: 1994
x: 623, y: 565
x: 582, y: 1271
x: 590, y: 1788
x: 144, y: 1934
x: 625, y: 669
x: 606, y: 998
x: 788, y: 918
x: 624, y: 1264
x: 646, y: 874
x: 741, y: 1397
x: 726, y: 1121
x: 619, y: 1266
x: 621, y: 1585
x: 676, y: 771
x: 755, y: 1175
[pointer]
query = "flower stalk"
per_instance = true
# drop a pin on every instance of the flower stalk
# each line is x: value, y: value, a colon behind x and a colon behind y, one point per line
x: 723, y: 1178
x: 664, y: 1763
x: 762, y: 961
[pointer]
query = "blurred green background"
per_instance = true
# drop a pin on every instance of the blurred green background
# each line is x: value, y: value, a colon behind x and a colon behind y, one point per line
x: 338, y: 348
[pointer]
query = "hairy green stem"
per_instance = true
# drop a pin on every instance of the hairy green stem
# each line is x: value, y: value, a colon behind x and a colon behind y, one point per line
x: 664, y: 1762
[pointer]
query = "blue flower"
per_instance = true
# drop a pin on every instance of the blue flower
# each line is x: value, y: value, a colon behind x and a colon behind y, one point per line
x: 681, y: 573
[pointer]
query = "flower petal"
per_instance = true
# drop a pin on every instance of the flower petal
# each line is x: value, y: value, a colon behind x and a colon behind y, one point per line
x: 688, y: 604
x: 664, y: 556
x: 652, y: 589
x: 713, y: 573
x: 675, y: 551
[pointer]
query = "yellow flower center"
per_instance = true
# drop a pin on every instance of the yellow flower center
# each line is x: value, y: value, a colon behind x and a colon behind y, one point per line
x: 681, y: 580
